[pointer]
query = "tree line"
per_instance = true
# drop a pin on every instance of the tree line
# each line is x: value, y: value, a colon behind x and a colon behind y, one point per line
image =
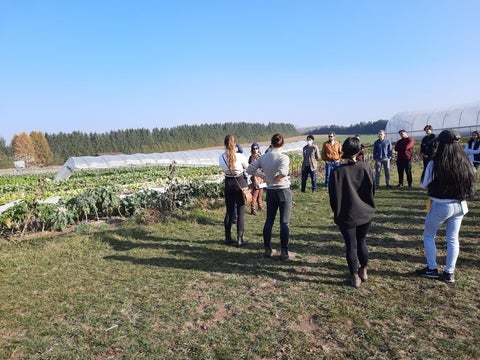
x: 370, y: 127
x: 43, y: 149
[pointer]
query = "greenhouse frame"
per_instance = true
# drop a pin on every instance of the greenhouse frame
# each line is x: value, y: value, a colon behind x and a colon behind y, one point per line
x: 179, y: 158
x: 464, y: 118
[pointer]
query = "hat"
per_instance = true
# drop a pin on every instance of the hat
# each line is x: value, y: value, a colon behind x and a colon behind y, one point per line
x: 255, y: 145
x: 448, y: 137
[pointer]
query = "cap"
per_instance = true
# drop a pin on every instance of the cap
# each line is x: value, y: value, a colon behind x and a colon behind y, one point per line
x: 255, y: 145
x: 448, y: 137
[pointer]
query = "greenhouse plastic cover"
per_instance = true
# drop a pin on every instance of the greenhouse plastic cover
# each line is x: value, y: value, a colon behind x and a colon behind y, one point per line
x: 179, y: 158
x: 465, y: 118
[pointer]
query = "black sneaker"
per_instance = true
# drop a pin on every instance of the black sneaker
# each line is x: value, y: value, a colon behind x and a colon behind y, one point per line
x: 448, y: 277
x: 284, y: 254
x: 428, y: 273
x: 267, y: 253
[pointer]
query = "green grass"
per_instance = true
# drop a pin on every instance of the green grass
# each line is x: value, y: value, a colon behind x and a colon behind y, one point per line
x: 172, y: 290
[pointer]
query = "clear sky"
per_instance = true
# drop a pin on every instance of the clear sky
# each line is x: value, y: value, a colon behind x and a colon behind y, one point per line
x: 101, y: 65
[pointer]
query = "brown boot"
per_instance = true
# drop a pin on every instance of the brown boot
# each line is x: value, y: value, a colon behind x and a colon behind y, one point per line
x: 362, y: 273
x: 356, y: 281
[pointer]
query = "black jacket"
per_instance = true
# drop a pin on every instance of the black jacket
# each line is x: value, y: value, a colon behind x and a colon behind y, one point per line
x: 352, y: 188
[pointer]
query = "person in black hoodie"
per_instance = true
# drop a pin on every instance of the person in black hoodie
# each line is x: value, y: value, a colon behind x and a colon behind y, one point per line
x: 352, y: 189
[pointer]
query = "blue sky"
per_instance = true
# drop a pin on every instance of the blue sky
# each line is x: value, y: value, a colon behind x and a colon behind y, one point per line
x: 102, y: 65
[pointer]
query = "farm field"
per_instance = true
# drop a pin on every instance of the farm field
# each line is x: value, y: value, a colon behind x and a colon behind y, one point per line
x: 149, y: 287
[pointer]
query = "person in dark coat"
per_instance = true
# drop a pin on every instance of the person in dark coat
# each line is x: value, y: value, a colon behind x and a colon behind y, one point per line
x: 352, y: 189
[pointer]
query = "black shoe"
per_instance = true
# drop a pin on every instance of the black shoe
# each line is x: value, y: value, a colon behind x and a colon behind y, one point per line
x: 284, y: 254
x: 229, y: 242
x: 376, y: 187
x: 428, y: 273
x: 267, y: 253
x: 400, y: 185
x: 448, y: 277
x: 389, y: 186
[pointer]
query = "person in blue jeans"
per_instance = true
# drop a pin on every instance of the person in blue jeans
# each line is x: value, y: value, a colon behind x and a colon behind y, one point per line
x: 450, y: 180
x: 331, y: 154
x: 311, y: 155
x: 275, y: 166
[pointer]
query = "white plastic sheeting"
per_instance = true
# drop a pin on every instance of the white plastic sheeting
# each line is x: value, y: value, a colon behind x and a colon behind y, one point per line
x: 181, y: 158
x: 465, y: 118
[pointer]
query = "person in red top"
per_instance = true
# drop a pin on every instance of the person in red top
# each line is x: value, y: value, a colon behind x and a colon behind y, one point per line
x: 404, y: 149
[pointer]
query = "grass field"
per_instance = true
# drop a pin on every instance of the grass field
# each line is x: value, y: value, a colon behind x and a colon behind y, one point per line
x: 140, y: 290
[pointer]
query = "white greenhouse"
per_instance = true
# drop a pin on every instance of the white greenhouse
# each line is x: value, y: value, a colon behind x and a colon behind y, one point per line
x: 464, y: 118
x: 180, y: 158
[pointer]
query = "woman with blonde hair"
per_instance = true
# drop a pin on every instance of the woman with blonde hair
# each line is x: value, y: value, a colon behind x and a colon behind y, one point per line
x: 233, y: 165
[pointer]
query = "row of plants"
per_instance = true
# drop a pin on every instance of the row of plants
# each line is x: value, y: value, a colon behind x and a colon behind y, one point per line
x: 33, y: 215
x: 31, y: 187
x: 94, y: 195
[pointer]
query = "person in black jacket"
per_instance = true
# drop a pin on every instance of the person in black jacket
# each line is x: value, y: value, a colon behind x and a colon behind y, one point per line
x: 352, y: 189
x: 428, y: 146
x: 450, y: 180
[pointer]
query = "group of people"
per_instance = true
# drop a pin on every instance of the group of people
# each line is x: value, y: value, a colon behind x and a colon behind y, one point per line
x: 448, y: 176
x: 273, y: 169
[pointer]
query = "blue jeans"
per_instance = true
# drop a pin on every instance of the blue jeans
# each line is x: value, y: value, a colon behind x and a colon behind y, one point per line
x: 280, y: 199
x: 329, y: 166
x: 307, y: 170
x: 451, y: 214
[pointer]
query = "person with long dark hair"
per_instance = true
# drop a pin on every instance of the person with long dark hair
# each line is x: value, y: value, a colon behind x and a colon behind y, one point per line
x: 233, y: 164
x: 450, y: 180
x: 275, y: 166
x: 352, y: 189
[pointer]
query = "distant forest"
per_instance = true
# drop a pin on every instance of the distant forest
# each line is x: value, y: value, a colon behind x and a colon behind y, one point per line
x: 54, y: 149
x: 362, y: 128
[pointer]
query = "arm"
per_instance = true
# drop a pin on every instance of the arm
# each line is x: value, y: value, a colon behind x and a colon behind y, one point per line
x: 411, y: 143
x: 324, y: 153
x: 427, y: 176
x: 389, y: 150
x: 282, y: 169
x: 252, y: 168
x: 317, y: 153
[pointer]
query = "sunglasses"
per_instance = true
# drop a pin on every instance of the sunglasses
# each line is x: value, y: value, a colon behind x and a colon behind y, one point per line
x: 255, y: 148
x: 331, y: 135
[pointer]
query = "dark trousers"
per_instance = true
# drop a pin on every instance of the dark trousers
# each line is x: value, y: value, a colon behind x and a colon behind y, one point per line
x: 356, y: 246
x: 404, y: 165
x: 234, y: 201
x: 278, y: 200
x: 307, y: 170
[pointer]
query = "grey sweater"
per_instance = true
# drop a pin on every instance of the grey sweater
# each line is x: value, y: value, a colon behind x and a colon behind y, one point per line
x: 275, y: 166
